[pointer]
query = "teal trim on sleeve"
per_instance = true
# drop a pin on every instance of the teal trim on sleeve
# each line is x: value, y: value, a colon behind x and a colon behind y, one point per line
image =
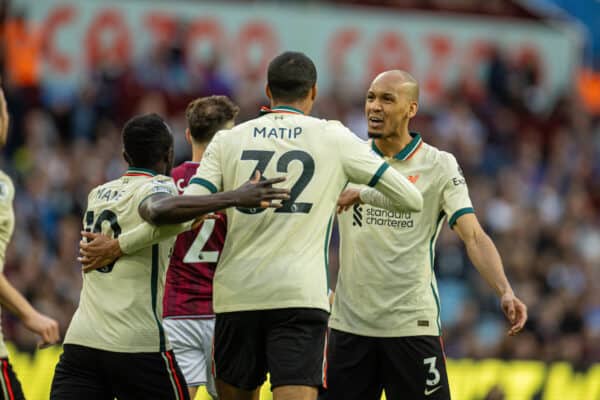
x: 460, y: 213
x: 378, y: 174
x: 205, y: 183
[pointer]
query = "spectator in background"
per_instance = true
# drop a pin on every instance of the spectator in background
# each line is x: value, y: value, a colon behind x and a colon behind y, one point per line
x: 536, y: 177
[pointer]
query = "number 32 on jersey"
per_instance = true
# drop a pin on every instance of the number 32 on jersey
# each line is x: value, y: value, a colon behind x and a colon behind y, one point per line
x: 263, y: 157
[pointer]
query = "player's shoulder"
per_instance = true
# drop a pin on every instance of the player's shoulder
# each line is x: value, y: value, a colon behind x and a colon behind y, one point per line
x: 440, y: 158
x: 338, y: 131
x: 160, y: 184
x: 102, y: 191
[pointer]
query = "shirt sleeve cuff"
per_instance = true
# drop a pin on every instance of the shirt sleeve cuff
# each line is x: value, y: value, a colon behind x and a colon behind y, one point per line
x: 459, y: 213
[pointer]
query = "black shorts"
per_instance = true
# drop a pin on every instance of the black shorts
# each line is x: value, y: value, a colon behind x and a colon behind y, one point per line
x: 407, y: 368
x: 10, y: 387
x: 288, y: 343
x: 92, y: 374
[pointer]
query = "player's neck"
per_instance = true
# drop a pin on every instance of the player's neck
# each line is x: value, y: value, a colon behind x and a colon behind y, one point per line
x: 301, y: 105
x: 394, y: 144
x: 198, y: 151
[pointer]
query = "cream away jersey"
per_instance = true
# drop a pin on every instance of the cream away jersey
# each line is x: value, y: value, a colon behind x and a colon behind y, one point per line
x: 120, y: 308
x: 7, y: 226
x: 278, y: 258
x: 386, y: 285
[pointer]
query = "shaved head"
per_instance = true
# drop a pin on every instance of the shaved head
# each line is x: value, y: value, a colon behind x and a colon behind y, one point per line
x: 392, y: 100
x: 399, y: 80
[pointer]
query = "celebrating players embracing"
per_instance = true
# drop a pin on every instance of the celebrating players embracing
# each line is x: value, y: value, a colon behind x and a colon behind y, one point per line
x: 115, y: 345
x: 270, y: 287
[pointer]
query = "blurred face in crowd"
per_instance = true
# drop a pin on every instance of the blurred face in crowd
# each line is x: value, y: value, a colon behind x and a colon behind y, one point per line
x: 392, y: 100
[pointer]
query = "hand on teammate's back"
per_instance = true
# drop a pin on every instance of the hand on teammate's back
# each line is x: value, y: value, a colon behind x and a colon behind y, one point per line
x: 515, y: 311
x: 257, y: 193
x: 348, y: 198
x: 44, y: 326
x: 97, y: 250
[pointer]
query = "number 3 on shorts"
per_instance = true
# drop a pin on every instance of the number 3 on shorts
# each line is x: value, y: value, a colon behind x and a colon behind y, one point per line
x: 195, y: 253
x: 432, y: 370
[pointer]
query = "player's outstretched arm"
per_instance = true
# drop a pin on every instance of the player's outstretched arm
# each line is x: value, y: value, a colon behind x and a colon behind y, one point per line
x: 485, y: 257
x: 97, y: 250
x: 162, y: 209
x: 36, y: 322
x: 349, y: 197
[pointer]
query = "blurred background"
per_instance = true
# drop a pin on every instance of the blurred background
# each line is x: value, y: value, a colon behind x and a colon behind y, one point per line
x: 512, y: 88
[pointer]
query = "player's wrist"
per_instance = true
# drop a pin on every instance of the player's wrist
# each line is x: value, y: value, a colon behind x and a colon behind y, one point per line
x: 506, y: 292
x: 361, y: 195
x: 116, y: 248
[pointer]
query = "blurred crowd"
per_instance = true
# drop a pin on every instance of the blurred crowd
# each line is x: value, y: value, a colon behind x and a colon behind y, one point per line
x: 533, y: 174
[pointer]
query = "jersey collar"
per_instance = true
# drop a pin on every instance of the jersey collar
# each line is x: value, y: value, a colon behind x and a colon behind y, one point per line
x: 280, y: 110
x: 407, y: 152
x: 132, y: 171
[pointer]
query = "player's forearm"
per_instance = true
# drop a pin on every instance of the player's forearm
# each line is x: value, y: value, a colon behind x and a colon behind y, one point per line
x: 145, y: 235
x: 485, y: 257
x: 376, y: 199
x: 13, y: 300
x: 393, y: 192
x: 175, y: 210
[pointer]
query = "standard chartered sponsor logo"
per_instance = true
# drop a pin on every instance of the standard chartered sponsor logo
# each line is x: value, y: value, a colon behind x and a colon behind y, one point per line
x: 357, y: 215
x: 392, y: 219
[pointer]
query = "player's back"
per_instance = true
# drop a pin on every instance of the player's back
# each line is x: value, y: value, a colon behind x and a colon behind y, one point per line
x: 278, y: 258
x: 120, y: 307
x: 188, y: 287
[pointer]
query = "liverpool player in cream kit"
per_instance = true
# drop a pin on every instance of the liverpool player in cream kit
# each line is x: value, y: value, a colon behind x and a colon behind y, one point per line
x: 10, y: 388
x: 385, y: 322
x: 270, y: 286
x: 115, y: 345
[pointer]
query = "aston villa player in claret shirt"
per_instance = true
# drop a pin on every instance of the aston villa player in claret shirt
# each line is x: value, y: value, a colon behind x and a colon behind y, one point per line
x: 187, y: 303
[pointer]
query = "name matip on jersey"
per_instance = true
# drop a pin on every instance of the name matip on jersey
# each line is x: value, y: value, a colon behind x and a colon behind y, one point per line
x: 277, y: 258
x: 7, y: 226
x: 120, y: 308
x: 189, y: 285
x: 386, y: 284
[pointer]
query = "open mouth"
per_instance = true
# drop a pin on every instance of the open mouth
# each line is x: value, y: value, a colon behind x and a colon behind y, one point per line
x: 375, y: 122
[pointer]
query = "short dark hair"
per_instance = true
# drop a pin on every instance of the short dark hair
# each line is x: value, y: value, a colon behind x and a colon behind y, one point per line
x: 146, y: 140
x: 291, y: 75
x: 207, y: 115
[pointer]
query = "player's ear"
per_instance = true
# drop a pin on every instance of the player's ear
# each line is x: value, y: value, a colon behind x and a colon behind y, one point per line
x: 188, y: 135
x: 313, y: 92
x: 268, y: 92
x: 127, y: 158
x: 414, y: 107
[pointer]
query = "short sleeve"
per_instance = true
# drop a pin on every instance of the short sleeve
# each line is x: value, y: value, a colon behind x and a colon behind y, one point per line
x: 158, y: 184
x: 209, y: 176
x: 360, y: 163
x: 455, y: 193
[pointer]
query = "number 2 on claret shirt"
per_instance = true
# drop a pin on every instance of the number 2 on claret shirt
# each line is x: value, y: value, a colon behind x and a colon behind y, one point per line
x: 195, y: 253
